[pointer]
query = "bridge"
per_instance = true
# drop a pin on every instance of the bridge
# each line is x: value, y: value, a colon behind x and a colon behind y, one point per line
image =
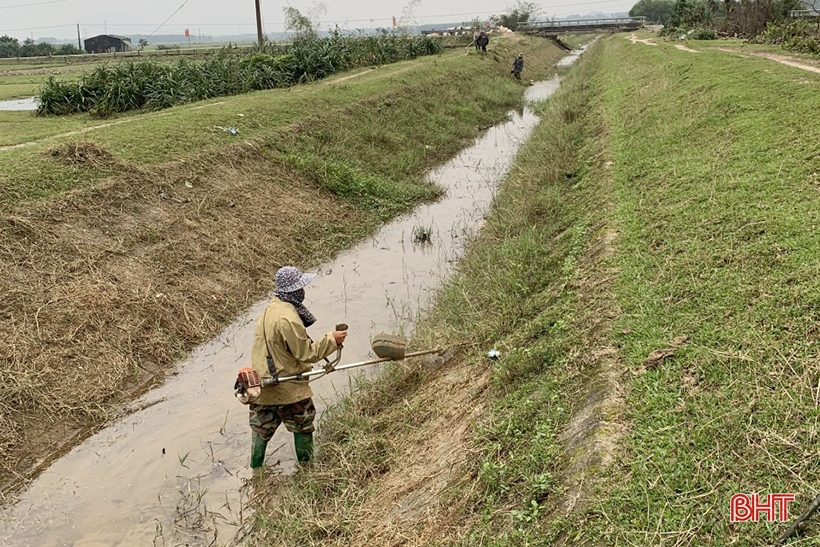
x: 551, y: 29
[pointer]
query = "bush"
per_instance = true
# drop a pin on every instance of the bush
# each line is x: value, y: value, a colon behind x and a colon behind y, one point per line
x: 798, y: 35
x: 701, y: 33
x: 150, y: 84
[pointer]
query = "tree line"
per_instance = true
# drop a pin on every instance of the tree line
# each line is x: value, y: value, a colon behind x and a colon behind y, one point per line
x: 743, y: 18
x: 11, y: 47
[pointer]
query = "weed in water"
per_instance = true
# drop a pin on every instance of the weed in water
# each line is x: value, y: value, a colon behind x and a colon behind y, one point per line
x: 422, y: 234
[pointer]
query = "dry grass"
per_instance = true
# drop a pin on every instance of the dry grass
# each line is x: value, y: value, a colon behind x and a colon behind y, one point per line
x: 399, y: 492
x: 85, y: 154
x: 113, y: 283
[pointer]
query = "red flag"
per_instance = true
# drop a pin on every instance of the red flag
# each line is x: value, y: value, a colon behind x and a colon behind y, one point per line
x: 394, y: 20
x: 187, y: 34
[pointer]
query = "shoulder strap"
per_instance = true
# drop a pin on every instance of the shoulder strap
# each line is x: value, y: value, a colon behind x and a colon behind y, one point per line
x: 269, y: 357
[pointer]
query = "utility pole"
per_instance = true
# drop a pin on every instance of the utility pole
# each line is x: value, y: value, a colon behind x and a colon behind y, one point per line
x: 259, y: 26
x: 79, y: 43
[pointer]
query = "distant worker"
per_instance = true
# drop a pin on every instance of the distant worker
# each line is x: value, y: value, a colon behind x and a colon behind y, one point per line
x: 476, y: 34
x: 518, y: 66
x: 482, y: 41
x: 282, y: 347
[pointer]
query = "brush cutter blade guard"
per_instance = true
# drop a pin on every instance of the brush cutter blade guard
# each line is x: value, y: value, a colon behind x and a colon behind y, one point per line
x: 389, y: 346
x: 248, y: 386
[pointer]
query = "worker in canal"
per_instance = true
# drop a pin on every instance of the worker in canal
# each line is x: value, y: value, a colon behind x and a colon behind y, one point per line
x: 282, y: 347
x: 482, y: 41
x: 518, y: 66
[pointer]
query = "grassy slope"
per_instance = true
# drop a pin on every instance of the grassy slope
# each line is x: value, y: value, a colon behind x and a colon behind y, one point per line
x: 664, y: 194
x: 26, y: 173
x: 717, y: 244
x: 211, y: 246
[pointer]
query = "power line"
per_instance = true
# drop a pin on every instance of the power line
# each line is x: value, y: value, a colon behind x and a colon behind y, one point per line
x: 33, y: 4
x: 345, y: 21
x: 169, y: 18
x: 35, y: 28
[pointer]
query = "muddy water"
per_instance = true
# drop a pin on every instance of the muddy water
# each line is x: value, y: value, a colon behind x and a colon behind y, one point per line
x: 19, y: 104
x: 173, y: 471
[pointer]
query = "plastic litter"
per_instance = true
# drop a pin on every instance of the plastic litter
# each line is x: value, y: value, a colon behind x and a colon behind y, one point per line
x: 231, y: 130
x: 493, y: 354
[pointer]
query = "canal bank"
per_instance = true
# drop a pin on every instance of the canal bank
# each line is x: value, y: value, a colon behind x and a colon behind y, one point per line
x: 181, y: 451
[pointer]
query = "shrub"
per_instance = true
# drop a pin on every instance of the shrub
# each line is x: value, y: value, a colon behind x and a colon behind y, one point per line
x: 701, y: 33
x: 150, y: 84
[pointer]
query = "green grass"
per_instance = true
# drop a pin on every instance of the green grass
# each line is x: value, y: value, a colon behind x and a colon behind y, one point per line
x: 150, y: 85
x: 707, y: 167
x: 153, y: 138
x: 22, y: 126
x: 717, y: 244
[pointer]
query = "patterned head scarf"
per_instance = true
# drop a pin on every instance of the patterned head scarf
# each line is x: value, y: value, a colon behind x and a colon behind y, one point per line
x: 290, y: 287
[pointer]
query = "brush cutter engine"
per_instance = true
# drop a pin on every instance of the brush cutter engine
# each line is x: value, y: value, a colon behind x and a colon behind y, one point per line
x: 248, y: 386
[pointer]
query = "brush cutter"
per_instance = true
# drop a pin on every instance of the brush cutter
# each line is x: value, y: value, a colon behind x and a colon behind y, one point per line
x: 387, y: 347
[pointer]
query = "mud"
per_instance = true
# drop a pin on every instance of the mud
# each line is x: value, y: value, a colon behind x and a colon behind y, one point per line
x: 173, y: 470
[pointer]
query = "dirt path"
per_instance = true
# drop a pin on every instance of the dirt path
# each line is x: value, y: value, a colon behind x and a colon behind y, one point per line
x: 634, y: 39
x: 68, y: 69
x: 782, y: 59
x: 379, y: 72
x: 94, y: 128
x: 685, y: 48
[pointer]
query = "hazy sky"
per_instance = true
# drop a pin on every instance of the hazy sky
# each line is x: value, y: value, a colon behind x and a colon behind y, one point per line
x: 58, y: 18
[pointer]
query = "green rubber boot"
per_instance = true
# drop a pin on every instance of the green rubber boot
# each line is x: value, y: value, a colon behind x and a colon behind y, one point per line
x: 258, y: 447
x: 304, y: 446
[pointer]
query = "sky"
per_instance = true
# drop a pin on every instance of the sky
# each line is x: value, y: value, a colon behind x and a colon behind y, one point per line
x: 58, y: 18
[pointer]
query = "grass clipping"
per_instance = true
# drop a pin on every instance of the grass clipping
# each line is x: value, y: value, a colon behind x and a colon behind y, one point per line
x: 148, y: 264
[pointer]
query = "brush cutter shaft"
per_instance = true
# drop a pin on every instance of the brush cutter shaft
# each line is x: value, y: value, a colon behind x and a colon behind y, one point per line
x: 320, y: 371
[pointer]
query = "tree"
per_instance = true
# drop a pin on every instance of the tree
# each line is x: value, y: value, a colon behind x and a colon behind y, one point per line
x: 67, y: 49
x: 305, y: 26
x: 688, y: 14
x: 521, y: 13
x: 44, y: 50
x: 655, y: 11
x: 298, y: 23
x: 27, y: 48
x: 9, y: 47
x: 143, y: 42
x: 408, y: 15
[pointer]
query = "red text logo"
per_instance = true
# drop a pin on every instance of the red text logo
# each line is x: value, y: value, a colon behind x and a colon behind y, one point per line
x: 751, y: 507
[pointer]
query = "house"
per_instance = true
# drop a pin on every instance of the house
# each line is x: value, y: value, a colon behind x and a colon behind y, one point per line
x: 106, y: 43
x: 808, y: 8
